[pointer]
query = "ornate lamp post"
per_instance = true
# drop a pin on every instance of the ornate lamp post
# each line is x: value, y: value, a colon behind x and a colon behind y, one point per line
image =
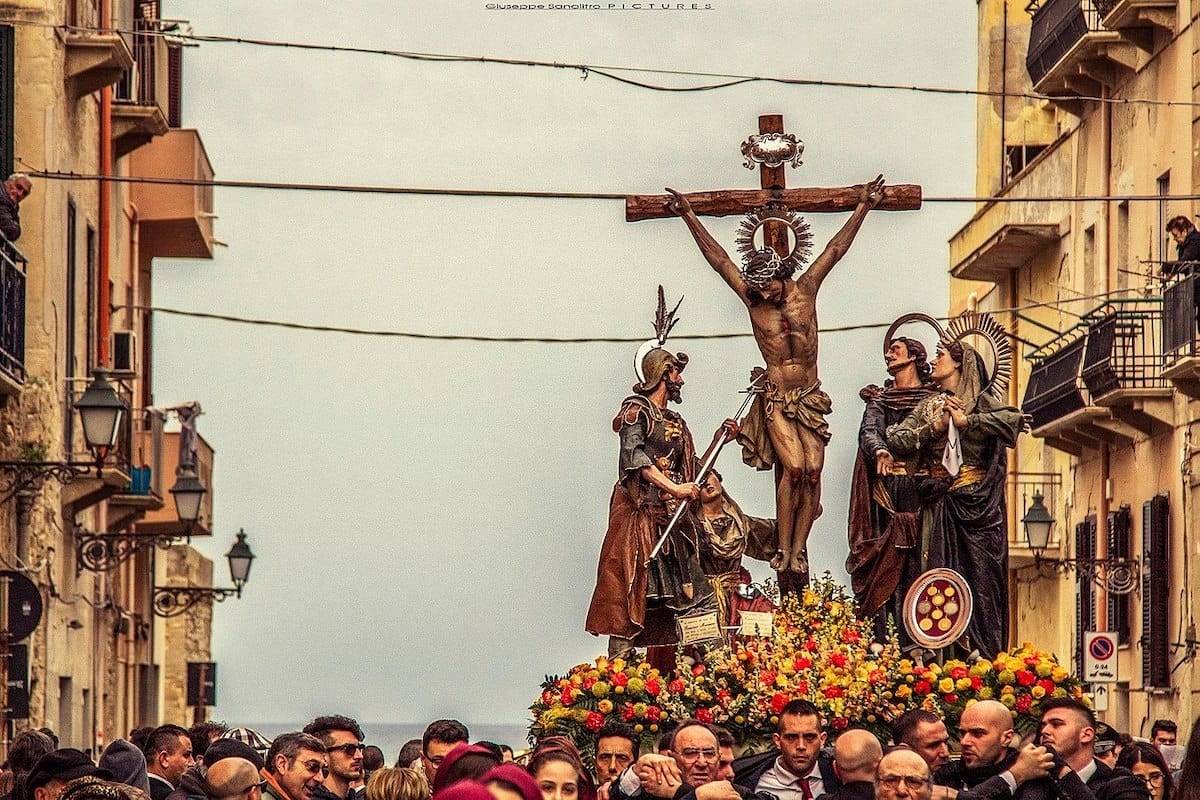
x: 171, y: 601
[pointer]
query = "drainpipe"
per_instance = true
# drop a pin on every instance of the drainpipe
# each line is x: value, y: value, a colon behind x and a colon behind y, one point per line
x: 103, y: 300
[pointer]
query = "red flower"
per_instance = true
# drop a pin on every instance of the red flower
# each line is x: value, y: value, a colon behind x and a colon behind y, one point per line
x: 976, y: 682
x: 653, y: 713
x: 802, y: 662
x: 802, y: 687
x: 698, y: 670
x: 676, y: 686
x: 567, y: 696
x: 875, y: 676
x: 838, y: 659
x: 958, y: 673
x: 588, y: 683
x: 653, y: 687
x: 1023, y: 703
x: 547, y: 697
x: 620, y: 679
x: 595, y: 721
x: 922, y: 687
x: 834, y: 691
x: 811, y: 645
x: 1026, y: 678
x: 840, y: 723
x: 778, y: 701
x: 767, y: 677
x: 850, y: 635
x: 1031, y: 661
x: 702, y: 714
x: 627, y: 712
x: 1047, y: 684
x: 950, y: 698
x: 723, y: 697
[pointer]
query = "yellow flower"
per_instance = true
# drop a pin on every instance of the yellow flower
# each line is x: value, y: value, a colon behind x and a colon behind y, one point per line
x: 981, y: 668
x: 604, y: 706
x: 1007, y: 677
x: 1043, y: 669
x: 946, y: 685
x: 1008, y: 700
x: 962, y: 684
x: 1059, y: 692
x: 1014, y: 664
x: 904, y: 691
x: 636, y: 685
x: 1058, y: 675
x: 986, y: 693
x: 1038, y: 692
x: 639, y: 709
x: 906, y: 667
x: 618, y: 665
x: 601, y: 662
x: 600, y: 688
x: 639, y: 727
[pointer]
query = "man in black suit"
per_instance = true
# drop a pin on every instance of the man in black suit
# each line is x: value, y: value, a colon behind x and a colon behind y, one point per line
x: 796, y: 769
x: 1069, y: 727
x: 168, y: 753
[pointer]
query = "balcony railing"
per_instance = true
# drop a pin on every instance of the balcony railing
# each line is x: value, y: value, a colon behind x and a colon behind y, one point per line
x: 12, y: 313
x: 1123, y: 347
x: 1179, y: 318
x: 1056, y: 27
x: 146, y: 83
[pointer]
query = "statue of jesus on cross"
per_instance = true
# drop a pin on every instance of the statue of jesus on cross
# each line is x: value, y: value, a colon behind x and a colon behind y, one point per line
x: 786, y: 428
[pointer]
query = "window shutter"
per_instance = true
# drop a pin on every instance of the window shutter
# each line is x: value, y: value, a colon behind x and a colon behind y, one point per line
x: 7, y: 83
x: 1085, y: 596
x: 1120, y: 545
x: 1156, y: 592
x: 174, y: 85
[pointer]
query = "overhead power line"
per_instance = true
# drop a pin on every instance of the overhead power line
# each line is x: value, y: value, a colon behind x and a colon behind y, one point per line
x: 59, y: 175
x: 723, y: 80
x: 467, y: 337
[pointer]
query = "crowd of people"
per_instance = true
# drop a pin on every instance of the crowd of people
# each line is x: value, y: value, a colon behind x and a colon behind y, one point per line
x: 1070, y: 756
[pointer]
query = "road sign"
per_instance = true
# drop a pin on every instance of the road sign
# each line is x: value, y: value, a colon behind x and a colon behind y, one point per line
x: 1099, y: 657
x: 1100, y: 697
x: 24, y: 604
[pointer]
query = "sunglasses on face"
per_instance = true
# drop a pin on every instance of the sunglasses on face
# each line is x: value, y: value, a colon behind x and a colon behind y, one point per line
x: 348, y: 749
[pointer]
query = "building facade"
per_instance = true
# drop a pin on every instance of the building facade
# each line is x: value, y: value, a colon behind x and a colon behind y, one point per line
x: 94, y: 88
x: 1087, y: 129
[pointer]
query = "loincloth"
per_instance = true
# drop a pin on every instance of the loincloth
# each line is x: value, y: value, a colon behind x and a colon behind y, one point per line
x: 806, y: 407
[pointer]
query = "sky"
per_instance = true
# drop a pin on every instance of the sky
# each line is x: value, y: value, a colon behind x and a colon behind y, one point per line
x: 427, y: 514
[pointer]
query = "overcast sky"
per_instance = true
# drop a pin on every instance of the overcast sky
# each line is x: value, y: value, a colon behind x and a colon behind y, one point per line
x: 426, y: 514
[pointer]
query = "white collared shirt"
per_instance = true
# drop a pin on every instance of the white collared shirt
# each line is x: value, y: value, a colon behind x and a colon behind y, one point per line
x: 782, y: 783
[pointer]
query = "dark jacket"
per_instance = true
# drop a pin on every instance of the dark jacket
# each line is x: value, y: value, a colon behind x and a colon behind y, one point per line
x: 684, y: 792
x: 1187, y: 255
x: 159, y: 788
x: 1106, y: 783
x: 748, y: 770
x: 855, y: 790
x: 985, y: 783
x: 322, y: 793
x: 10, y: 217
x: 191, y: 786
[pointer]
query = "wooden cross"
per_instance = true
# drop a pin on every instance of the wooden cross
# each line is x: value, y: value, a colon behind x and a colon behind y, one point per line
x: 723, y: 202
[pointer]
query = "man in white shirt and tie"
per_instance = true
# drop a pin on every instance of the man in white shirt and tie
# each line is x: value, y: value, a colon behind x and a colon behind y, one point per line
x: 796, y: 769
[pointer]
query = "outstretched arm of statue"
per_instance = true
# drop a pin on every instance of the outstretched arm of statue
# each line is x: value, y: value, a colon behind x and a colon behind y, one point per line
x: 839, y: 245
x: 710, y: 248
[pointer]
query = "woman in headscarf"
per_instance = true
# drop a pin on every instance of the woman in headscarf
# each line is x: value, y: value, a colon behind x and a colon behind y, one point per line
x: 959, y: 437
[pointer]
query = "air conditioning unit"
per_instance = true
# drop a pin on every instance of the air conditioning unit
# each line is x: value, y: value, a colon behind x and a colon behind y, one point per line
x: 124, y: 354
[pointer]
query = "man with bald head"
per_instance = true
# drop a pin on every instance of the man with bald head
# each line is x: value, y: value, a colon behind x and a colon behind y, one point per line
x: 903, y: 775
x: 232, y: 779
x: 990, y: 768
x: 856, y: 754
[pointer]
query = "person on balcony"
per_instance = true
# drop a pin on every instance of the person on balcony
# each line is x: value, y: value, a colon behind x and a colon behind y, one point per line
x: 16, y: 188
x: 1187, y: 247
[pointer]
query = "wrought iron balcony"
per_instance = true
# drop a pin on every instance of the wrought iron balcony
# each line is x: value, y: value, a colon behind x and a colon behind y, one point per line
x: 12, y: 318
x: 1071, y: 51
x: 1101, y: 381
x: 1181, y: 359
x: 142, y: 101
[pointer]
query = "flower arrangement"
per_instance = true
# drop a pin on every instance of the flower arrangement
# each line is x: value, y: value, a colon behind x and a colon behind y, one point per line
x: 820, y: 652
x: 591, y: 695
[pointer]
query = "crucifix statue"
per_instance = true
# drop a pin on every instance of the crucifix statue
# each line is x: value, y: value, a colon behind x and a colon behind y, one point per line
x: 786, y: 428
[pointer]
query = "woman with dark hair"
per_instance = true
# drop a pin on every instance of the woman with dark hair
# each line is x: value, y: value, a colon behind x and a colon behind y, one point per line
x: 557, y: 775
x: 1145, y: 761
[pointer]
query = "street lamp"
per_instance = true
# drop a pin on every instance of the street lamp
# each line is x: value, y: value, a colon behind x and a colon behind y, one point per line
x: 171, y: 601
x: 1038, y: 523
x: 100, y: 411
x: 188, y: 491
x: 1114, y: 575
x: 241, y: 557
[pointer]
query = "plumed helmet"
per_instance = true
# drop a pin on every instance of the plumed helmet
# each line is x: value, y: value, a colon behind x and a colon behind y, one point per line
x: 655, y: 366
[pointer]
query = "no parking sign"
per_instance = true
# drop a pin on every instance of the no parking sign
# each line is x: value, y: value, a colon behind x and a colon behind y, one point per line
x: 1099, y: 657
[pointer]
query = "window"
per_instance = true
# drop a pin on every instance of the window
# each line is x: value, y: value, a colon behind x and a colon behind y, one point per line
x: 1085, y: 597
x: 1156, y: 592
x: 1120, y: 545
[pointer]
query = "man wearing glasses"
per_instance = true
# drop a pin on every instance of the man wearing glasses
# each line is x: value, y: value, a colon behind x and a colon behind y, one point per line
x: 295, y: 767
x: 689, y: 770
x: 903, y: 775
x: 342, y: 738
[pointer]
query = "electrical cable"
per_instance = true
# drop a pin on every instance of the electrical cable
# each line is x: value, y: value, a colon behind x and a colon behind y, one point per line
x: 524, y: 193
x: 461, y: 337
x: 726, y: 80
